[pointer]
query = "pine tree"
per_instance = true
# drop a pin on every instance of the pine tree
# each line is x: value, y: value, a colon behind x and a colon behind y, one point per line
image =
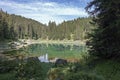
x: 105, y: 39
x: 12, y: 33
x: 1, y: 36
x: 5, y: 29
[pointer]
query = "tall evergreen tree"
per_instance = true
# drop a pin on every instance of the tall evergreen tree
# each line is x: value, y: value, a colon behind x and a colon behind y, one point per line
x: 105, y: 39
x: 12, y: 33
x: 1, y: 35
x: 5, y: 29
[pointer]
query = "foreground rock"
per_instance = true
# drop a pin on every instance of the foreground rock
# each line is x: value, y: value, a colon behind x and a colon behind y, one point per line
x: 60, y: 62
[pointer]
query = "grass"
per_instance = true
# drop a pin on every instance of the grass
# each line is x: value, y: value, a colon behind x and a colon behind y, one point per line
x: 109, y: 69
x: 7, y: 76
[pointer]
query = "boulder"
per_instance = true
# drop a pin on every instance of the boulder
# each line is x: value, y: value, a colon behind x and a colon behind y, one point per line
x: 60, y: 62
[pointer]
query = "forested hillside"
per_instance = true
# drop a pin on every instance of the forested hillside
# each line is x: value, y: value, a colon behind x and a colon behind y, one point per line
x: 17, y: 27
x: 74, y: 29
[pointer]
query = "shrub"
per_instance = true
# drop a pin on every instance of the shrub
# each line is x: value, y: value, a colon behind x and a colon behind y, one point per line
x: 30, y: 70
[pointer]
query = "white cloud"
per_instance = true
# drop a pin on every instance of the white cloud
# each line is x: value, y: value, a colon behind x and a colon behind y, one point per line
x: 43, y: 11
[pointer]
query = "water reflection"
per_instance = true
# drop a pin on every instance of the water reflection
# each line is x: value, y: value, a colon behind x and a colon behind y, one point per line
x: 44, y: 58
x: 55, y: 50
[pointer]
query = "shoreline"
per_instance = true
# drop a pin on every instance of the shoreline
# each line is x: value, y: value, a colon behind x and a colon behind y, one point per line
x: 69, y: 42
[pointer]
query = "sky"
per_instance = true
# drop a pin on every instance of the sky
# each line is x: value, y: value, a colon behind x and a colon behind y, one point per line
x: 46, y: 10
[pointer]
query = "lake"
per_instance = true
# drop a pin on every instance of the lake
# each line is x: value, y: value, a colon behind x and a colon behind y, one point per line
x: 53, y: 50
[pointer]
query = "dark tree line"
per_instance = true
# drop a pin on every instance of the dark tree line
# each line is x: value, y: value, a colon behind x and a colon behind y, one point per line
x: 18, y: 27
x: 105, y: 39
x: 6, y: 31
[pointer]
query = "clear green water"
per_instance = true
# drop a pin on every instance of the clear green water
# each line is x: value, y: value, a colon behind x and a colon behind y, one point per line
x: 53, y: 50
